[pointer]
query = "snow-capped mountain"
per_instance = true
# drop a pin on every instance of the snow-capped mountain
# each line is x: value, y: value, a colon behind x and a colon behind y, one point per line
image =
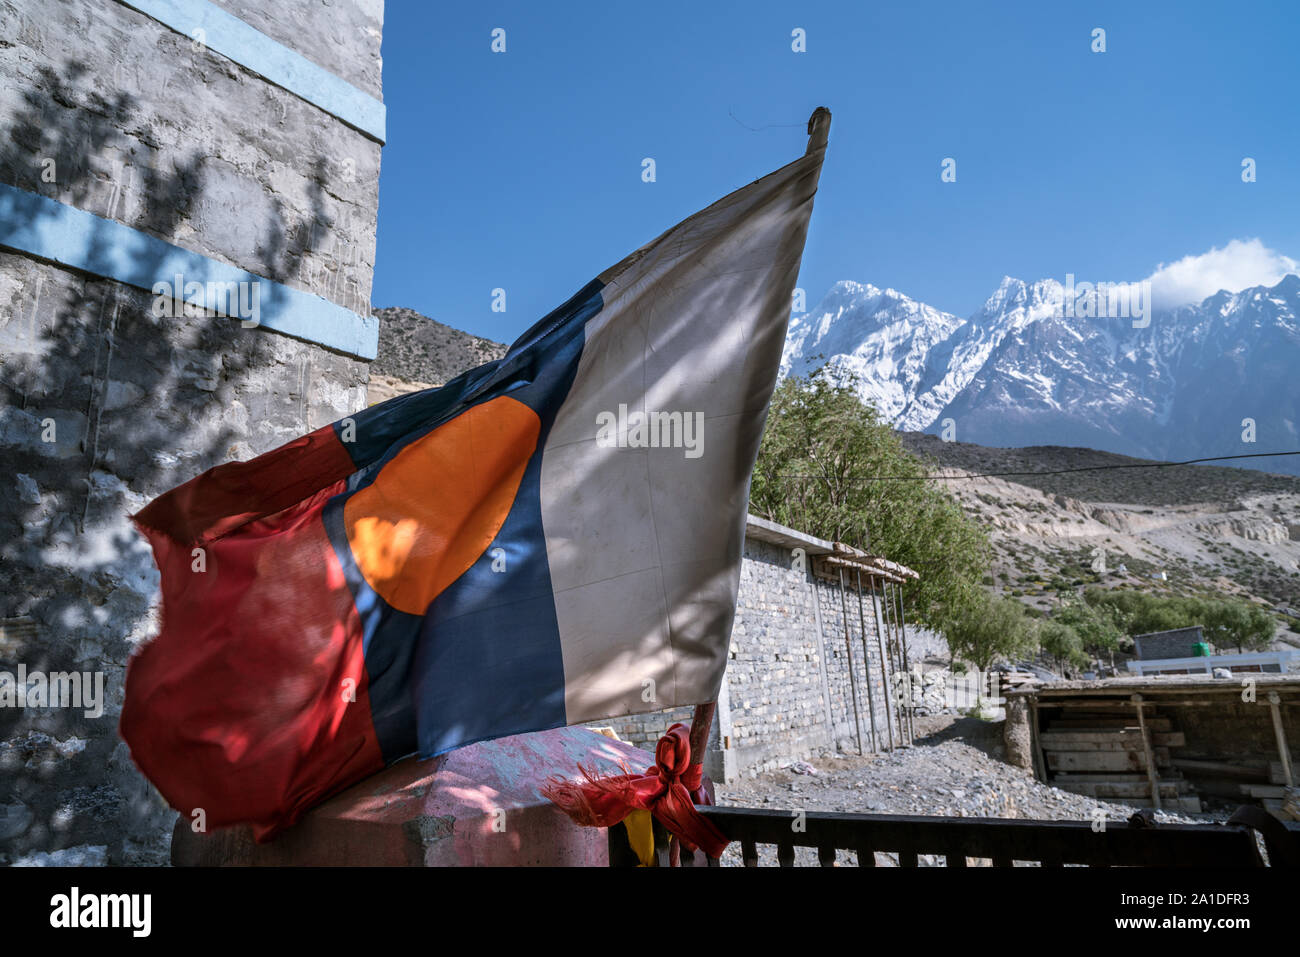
x: 1020, y: 371
x: 878, y: 335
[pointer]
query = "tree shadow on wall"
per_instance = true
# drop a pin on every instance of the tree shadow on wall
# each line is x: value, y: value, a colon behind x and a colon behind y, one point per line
x: 139, y: 404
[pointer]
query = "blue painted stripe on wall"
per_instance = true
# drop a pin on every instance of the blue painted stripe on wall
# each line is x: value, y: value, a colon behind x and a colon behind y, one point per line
x: 249, y: 47
x: 48, y: 229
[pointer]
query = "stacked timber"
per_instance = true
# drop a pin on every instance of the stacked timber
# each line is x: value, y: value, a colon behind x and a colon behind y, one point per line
x: 1290, y: 809
x: 1097, y: 749
x: 1237, y: 779
x: 1230, y: 740
x: 1014, y: 678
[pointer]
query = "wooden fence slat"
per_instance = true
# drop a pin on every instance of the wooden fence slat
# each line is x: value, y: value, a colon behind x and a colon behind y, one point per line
x: 956, y: 840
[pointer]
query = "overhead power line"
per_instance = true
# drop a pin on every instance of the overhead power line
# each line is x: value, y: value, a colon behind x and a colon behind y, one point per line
x: 1082, y: 468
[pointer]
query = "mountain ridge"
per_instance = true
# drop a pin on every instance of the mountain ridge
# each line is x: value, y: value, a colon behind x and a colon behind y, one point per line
x: 1186, y: 382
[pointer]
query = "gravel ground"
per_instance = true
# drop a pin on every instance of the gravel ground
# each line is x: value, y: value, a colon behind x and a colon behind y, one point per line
x: 955, y: 770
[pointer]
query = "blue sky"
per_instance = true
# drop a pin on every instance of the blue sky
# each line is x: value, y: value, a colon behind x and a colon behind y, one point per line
x: 522, y: 170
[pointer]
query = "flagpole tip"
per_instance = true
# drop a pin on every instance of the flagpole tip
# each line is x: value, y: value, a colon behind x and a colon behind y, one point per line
x: 819, y: 126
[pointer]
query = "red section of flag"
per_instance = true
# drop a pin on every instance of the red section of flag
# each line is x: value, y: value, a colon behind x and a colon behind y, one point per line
x: 252, y: 703
x: 228, y: 496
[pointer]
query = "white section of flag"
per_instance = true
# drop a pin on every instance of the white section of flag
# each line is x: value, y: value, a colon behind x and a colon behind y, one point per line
x: 644, y: 541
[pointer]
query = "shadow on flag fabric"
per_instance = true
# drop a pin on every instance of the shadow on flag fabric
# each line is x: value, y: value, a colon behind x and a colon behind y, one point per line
x: 548, y: 539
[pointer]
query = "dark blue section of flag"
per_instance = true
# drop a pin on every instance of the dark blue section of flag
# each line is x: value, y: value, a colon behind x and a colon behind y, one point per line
x: 497, y: 621
x: 498, y: 626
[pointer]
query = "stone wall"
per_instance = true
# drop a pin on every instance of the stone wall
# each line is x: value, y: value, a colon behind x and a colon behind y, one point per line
x: 787, y: 694
x: 103, y: 405
x: 1178, y: 643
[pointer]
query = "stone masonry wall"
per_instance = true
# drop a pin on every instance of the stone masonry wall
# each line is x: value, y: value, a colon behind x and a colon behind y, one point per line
x: 787, y: 693
x: 145, y: 127
x: 872, y: 699
x: 1178, y: 643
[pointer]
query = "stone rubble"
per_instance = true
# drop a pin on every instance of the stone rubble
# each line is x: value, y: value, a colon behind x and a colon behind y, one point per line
x: 955, y: 770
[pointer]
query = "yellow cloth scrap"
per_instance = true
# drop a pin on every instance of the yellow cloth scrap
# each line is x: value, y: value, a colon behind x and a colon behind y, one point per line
x: 640, y: 834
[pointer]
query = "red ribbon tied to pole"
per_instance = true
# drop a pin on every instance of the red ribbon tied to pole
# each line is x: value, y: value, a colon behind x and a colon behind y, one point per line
x: 666, y: 790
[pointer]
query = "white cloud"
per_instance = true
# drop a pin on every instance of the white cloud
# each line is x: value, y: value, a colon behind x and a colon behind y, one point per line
x: 1239, y: 265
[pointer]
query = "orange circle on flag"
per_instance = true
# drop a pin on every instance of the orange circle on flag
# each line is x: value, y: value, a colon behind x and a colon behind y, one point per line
x: 433, y: 510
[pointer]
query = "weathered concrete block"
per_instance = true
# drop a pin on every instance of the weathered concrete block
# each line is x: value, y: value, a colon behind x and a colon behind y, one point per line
x: 477, y: 806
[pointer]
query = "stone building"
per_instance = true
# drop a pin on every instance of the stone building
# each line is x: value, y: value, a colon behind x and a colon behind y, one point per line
x: 226, y: 153
x: 788, y: 693
x: 1174, y: 643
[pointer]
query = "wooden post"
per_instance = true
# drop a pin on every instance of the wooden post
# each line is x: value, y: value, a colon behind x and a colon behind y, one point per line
x: 895, y: 658
x: 880, y: 647
x: 1149, y: 752
x: 1283, y: 750
x: 848, y: 650
x: 866, y: 663
x: 701, y: 723
x: 904, y: 703
x: 1040, y: 763
x: 667, y: 847
x: 907, y: 662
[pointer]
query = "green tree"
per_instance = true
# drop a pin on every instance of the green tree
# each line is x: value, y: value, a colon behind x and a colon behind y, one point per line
x: 1063, y: 644
x: 1141, y: 612
x: 1235, y: 623
x: 1227, y: 623
x: 1096, y: 626
x: 984, y: 629
x: 829, y: 466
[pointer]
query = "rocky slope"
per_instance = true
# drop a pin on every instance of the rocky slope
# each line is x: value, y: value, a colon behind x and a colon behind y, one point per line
x: 1185, y: 529
x: 416, y: 349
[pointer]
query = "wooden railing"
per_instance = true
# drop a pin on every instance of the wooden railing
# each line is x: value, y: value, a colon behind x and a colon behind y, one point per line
x: 1137, y: 843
